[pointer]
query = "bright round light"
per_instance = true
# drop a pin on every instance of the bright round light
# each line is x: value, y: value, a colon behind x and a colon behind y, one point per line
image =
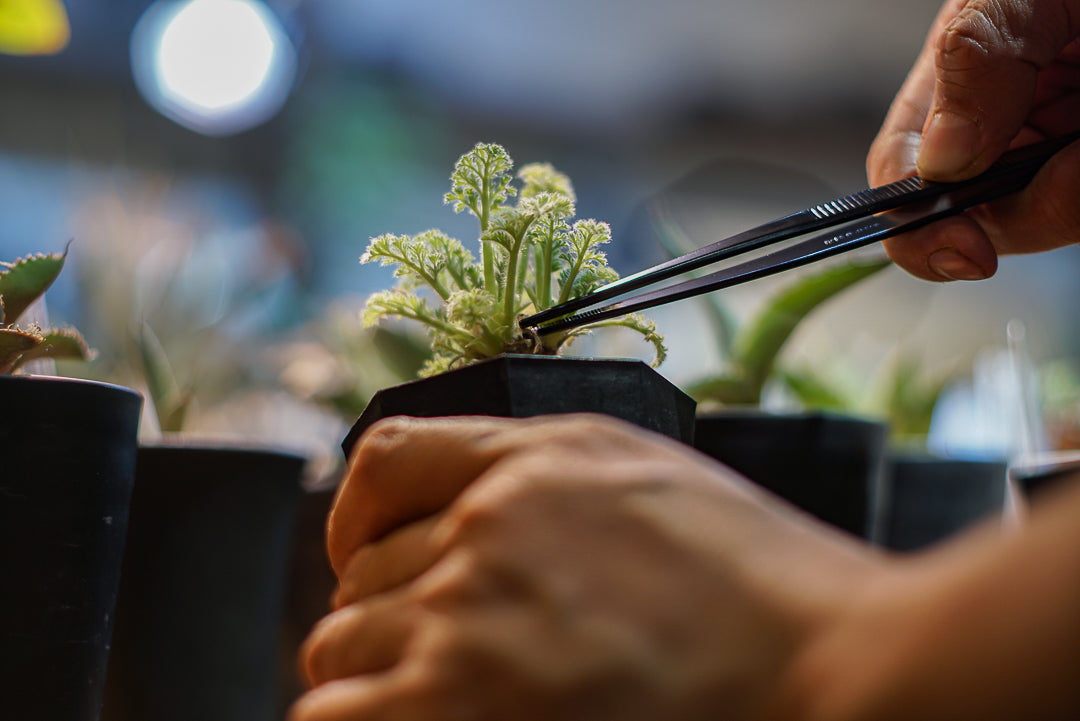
x: 215, y: 66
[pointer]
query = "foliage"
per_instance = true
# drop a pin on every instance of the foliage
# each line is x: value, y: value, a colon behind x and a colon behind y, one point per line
x: 21, y: 284
x: 905, y: 397
x: 533, y: 256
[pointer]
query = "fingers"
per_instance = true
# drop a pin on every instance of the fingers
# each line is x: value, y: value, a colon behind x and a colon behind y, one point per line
x: 389, y: 563
x: 952, y: 249
x: 358, y: 639
x: 1042, y: 217
x: 1045, y: 215
x: 390, y: 697
x: 405, y: 469
x: 987, y: 62
x: 402, y: 470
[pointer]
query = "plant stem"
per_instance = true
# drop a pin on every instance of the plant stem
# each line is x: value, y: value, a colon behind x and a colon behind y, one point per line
x: 543, y: 274
x: 510, y: 300
x: 564, y: 295
x: 486, y: 251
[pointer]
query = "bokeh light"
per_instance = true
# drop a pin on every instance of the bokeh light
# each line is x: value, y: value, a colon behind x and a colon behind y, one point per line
x: 215, y: 66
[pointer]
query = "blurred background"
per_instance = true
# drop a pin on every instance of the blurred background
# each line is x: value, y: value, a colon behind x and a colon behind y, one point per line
x: 221, y: 164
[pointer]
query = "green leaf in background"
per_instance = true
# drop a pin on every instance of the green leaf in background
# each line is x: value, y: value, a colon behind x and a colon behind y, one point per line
x: 729, y: 390
x: 404, y: 353
x: 759, y: 343
x: 170, y: 401
x: 910, y: 401
x: 26, y: 280
x: 813, y: 392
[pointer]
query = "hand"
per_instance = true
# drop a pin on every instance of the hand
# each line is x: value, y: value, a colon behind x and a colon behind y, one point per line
x: 993, y: 74
x: 564, y: 568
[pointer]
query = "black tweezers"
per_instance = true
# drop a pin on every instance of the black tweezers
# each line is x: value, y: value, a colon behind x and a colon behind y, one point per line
x: 878, y: 213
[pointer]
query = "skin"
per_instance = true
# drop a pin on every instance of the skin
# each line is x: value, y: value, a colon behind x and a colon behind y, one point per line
x: 635, y: 579
x: 579, y: 568
x: 993, y: 74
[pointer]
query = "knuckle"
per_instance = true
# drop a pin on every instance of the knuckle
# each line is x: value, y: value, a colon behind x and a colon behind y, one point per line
x: 383, y: 439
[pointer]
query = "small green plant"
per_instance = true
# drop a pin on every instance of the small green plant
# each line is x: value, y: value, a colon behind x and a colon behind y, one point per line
x: 21, y: 284
x: 533, y: 256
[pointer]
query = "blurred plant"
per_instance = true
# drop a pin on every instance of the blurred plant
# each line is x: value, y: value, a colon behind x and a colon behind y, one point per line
x: 1059, y: 389
x: 751, y: 351
x: 188, y: 306
x: 532, y: 258
x: 23, y: 283
x: 904, y: 396
x: 340, y: 365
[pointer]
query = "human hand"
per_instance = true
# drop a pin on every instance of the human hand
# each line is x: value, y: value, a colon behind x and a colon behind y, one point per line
x: 993, y: 74
x: 564, y: 568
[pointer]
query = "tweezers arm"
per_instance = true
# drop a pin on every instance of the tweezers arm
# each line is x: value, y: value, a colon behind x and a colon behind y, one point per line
x: 1010, y: 173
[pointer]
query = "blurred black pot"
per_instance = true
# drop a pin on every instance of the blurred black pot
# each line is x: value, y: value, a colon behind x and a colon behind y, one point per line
x: 827, y: 464
x: 931, y: 498
x: 203, y: 585
x: 69, y: 463
x: 519, y: 386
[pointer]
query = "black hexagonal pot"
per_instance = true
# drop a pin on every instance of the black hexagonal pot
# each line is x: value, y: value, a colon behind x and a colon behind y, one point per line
x: 520, y: 386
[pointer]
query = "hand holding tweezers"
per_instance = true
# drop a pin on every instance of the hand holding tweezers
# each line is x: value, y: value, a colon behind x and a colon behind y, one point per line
x: 857, y: 220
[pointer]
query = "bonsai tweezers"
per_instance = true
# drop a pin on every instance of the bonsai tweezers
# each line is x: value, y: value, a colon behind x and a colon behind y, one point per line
x: 855, y: 221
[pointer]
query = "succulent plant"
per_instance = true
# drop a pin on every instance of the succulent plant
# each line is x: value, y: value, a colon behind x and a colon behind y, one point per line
x: 21, y: 284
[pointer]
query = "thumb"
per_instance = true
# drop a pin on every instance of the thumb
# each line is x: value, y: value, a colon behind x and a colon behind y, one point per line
x: 987, y: 64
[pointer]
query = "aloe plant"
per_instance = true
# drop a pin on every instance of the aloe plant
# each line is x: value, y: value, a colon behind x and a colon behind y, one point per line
x: 533, y: 255
x: 21, y: 284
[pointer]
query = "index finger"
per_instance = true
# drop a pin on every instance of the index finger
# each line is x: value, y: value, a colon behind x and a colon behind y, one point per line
x: 404, y: 469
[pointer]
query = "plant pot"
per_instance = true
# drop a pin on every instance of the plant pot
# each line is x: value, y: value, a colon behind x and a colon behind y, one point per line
x: 1045, y: 472
x: 69, y: 463
x: 311, y: 584
x: 203, y: 585
x: 829, y: 465
x: 931, y: 498
x: 520, y: 386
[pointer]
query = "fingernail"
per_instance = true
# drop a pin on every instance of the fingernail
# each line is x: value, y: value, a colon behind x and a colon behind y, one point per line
x: 948, y: 146
x: 954, y: 265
